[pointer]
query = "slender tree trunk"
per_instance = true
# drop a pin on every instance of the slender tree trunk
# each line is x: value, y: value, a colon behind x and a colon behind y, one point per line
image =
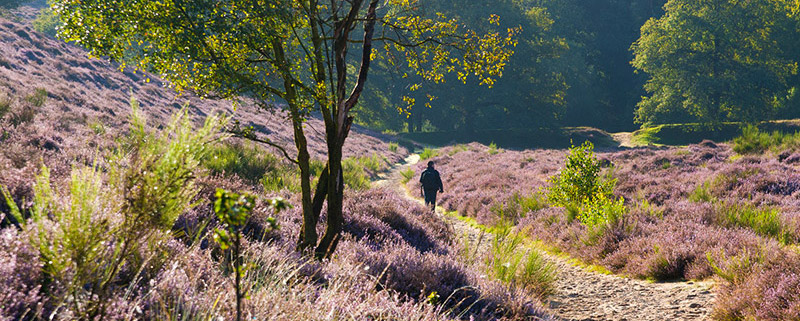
x: 308, y: 231
x: 335, y: 197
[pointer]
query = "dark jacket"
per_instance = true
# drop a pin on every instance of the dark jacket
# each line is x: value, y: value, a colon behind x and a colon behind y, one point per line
x: 431, y: 180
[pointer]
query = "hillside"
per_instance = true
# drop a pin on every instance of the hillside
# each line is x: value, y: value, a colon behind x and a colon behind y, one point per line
x: 72, y: 114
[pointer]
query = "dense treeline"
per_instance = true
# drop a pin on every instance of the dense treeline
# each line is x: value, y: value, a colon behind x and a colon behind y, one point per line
x: 612, y: 64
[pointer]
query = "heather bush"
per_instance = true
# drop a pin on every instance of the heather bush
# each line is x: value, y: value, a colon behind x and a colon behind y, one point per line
x: 20, y: 277
x: 100, y: 235
x: 759, y: 286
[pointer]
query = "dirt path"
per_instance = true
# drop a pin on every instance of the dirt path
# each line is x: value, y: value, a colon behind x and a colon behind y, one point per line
x: 586, y: 295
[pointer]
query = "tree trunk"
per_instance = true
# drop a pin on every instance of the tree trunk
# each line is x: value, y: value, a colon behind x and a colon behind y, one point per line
x: 335, y: 197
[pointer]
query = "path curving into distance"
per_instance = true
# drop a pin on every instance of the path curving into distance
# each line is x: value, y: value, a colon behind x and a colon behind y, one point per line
x: 585, y: 295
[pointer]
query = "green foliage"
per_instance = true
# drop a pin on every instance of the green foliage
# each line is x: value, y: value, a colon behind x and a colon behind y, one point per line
x: 754, y: 141
x: 703, y: 193
x: 246, y: 161
x: 10, y: 4
x: 159, y: 183
x: 46, y: 22
x: 764, y: 221
x: 428, y: 153
x: 94, y: 234
x: 457, y: 149
x: 407, y: 175
x: 583, y: 192
x: 511, y: 262
x: 493, y: 149
x: 518, y: 206
x: 37, y: 98
x: 710, y: 189
x: 393, y: 147
x: 713, y: 61
x: 97, y: 127
x: 355, y: 175
x: 233, y: 210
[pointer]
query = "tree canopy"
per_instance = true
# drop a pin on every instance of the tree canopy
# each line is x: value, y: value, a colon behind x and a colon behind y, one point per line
x: 290, y: 53
x: 717, y: 60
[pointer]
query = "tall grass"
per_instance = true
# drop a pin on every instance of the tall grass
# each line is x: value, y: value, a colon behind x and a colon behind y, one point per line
x: 428, y: 153
x: 406, y: 174
x: 764, y: 221
x: 512, y: 262
x: 754, y: 141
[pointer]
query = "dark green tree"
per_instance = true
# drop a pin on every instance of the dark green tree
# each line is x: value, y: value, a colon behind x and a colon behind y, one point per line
x: 716, y: 60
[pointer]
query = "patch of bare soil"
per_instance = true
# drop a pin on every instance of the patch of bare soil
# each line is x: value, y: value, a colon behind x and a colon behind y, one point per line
x: 581, y: 294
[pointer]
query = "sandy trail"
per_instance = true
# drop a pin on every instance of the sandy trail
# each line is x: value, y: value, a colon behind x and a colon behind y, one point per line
x: 585, y: 295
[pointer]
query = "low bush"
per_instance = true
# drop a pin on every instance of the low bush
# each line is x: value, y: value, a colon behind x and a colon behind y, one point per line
x: 246, y: 161
x: 754, y: 141
x: 764, y: 221
x: 99, y: 236
x: 428, y: 153
x: 46, y: 22
x: 37, y: 98
x: 407, y: 174
x: 580, y: 185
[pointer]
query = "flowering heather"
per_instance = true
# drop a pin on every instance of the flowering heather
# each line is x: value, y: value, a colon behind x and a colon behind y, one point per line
x: 691, y: 210
x: 20, y: 277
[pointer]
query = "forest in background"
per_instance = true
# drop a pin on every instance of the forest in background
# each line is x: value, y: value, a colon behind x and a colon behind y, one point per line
x: 616, y: 65
x: 586, y: 63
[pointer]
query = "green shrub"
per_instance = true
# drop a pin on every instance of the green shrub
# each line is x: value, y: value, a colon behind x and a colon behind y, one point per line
x: 246, y: 161
x: 517, y: 206
x: 23, y: 116
x: 754, y: 141
x: 579, y: 187
x: 5, y: 105
x: 764, y: 221
x: 393, y: 147
x: 493, y: 149
x: 37, y: 98
x: 97, y: 127
x: 457, y: 149
x: 428, y: 153
x: 46, y: 22
x: 702, y: 193
x: 407, y: 174
x: 97, y: 236
x: 355, y: 176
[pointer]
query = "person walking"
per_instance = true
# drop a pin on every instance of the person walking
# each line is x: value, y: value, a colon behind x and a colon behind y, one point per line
x: 430, y: 183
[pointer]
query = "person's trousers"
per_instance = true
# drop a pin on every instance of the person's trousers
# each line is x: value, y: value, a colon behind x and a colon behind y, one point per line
x: 430, y: 198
